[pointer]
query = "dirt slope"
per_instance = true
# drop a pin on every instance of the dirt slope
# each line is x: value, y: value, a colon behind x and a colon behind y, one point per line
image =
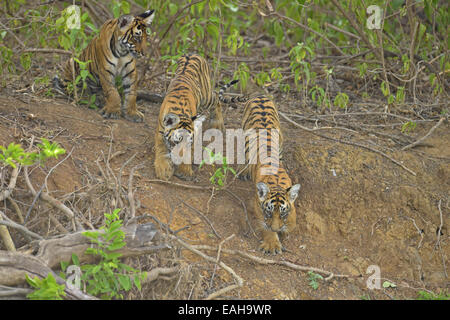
x: 355, y: 209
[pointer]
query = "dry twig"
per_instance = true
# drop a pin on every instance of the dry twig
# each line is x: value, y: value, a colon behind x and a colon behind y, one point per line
x: 238, y: 279
x: 202, y: 216
x: 412, y: 145
x: 265, y: 261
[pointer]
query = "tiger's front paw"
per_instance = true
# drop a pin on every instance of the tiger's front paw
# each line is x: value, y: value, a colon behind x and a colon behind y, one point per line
x: 184, y: 172
x: 164, y: 168
x: 107, y: 114
x: 135, y: 117
x: 271, y: 244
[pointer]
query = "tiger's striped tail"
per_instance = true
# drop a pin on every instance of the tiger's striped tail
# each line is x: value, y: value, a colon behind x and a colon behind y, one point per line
x: 228, y: 100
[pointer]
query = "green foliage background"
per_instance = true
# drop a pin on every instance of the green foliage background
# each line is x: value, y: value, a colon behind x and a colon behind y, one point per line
x: 298, y: 42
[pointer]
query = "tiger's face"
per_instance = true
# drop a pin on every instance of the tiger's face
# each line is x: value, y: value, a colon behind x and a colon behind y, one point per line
x: 178, y: 132
x: 133, y: 32
x: 277, y: 206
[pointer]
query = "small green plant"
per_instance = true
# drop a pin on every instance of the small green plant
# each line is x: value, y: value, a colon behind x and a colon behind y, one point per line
x: 243, y: 74
x: 409, y: 126
x: 341, y: 100
x: 313, y: 279
x: 46, y: 288
x: 219, y: 177
x: 262, y: 78
x: 81, y: 79
x: 319, y: 96
x: 388, y: 284
x: 386, y: 92
x: 14, y: 154
x: 425, y: 295
x: 234, y: 41
x: 299, y: 66
x: 400, y: 95
x: 109, y: 277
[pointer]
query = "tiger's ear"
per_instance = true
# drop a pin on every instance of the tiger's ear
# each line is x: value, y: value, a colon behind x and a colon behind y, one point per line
x: 293, y: 192
x: 148, y: 16
x: 125, y: 21
x: 171, y: 120
x: 263, y: 190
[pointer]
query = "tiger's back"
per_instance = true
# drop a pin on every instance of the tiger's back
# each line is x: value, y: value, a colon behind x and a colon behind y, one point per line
x: 189, y: 95
x: 260, y: 114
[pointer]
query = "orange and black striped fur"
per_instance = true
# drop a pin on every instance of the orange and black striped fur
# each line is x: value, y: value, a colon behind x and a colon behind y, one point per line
x: 190, y: 94
x: 275, y: 194
x: 113, y: 54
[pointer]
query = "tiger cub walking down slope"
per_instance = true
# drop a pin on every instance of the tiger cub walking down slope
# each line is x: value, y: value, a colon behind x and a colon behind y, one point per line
x: 112, y: 53
x: 275, y: 194
x: 190, y: 94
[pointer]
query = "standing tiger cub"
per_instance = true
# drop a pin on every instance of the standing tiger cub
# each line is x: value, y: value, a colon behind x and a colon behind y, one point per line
x: 113, y: 54
x: 275, y: 194
x: 190, y: 94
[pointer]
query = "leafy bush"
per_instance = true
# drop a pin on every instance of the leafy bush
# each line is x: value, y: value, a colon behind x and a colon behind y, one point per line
x: 109, y: 276
x: 14, y: 154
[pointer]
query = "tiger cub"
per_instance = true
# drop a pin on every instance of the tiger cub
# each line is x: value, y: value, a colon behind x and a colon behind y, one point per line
x: 112, y: 53
x: 189, y: 94
x: 275, y: 194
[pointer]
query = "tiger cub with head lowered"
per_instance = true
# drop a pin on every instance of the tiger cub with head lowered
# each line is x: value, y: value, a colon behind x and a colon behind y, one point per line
x: 189, y: 95
x: 112, y: 53
x: 275, y: 194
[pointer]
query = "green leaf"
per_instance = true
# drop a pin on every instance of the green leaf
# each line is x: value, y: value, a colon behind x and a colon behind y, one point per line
x: 64, y: 265
x: 116, y: 246
x: 91, y: 234
x: 125, y: 282
x: 137, y: 281
x: 32, y: 282
x: 75, y: 259
x: 387, y: 284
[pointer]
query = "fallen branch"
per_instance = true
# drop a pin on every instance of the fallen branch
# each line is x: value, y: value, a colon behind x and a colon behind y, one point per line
x: 6, y: 236
x: 141, y: 239
x: 46, y: 197
x: 179, y: 184
x: 47, y: 50
x: 265, y: 261
x: 156, y: 272
x: 4, y: 233
x: 130, y: 190
x: 412, y: 145
x: 14, y: 266
x: 45, y: 184
x: 8, y: 222
x: 4, y: 194
x: 239, y: 280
